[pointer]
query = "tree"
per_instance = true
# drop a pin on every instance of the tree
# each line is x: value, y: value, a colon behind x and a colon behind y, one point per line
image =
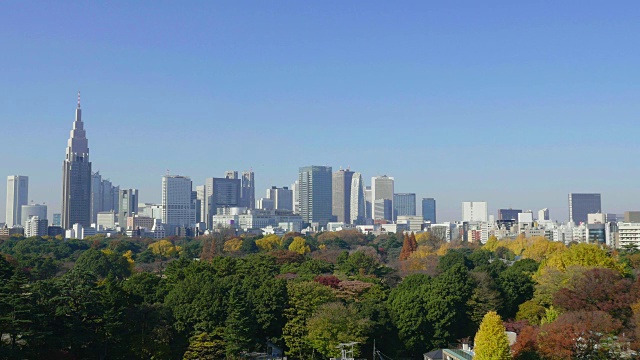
x: 406, y: 248
x: 590, y: 255
x: 484, y: 298
x: 491, y: 342
x: 232, y: 245
x: 164, y: 248
x: 598, y: 289
x: 238, y: 325
x: 299, y: 245
x: 269, y: 242
x: 335, y: 323
x: 303, y: 300
x: 204, y: 346
x: 579, y: 335
x: 407, y: 307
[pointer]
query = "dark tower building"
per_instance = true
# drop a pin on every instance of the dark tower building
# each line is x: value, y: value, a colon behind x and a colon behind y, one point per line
x: 76, y: 177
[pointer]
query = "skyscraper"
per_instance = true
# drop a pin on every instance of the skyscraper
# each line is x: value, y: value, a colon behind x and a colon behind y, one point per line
x: 178, y: 210
x: 17, y: 195
x: 582, y: 204
x: 248, y: 194
x: 341, y: 195
x: 220, y: 193
x: 315, y: 194
x: 358, y: 204
x: 382, y: 189
x: 475, y: 211
x: 282, y: 198
x: 76, y: 177
x: 97, y: 196
x: 404, y: 204
x: 231, y: 174
x: 128, y: 205
x: 429, y: 210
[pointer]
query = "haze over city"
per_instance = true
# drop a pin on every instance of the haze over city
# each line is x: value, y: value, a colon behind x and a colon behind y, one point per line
x: 517, y: 105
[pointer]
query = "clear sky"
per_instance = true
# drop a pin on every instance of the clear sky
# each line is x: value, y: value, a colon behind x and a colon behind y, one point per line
x: 502, y: 101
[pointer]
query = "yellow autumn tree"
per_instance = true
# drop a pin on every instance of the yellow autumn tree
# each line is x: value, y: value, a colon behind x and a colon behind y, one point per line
x: 491, y: 342
x: 129, y: 256
x: 269, y: 242
x: 422, y: 252
x: 587, y: 255
x: 491, y: 244
x: 232, y: 245
x: 540, y: 248
x: 299, y: 245
x: 164, y: 248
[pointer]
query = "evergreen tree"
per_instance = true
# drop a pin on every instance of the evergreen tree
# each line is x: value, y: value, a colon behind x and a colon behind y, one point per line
x: 491, y: 342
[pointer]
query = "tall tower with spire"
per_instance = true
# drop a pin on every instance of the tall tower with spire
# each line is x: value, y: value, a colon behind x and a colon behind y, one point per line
x: 76, y: 177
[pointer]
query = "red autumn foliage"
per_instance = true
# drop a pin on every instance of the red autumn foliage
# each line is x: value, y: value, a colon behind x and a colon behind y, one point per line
x: 527, y: 342
x: 328, y: 280
x: 598, y: 289
x: 576, y: 333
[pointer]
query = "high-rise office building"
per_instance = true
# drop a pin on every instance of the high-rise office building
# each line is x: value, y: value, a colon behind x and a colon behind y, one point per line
x: 631, y: 217
x: 358, y: 205
x: 128, y: 205
x: 295, y: 188
x: 582, y: 204
x: 200, y: 204
x: 543, y: 214
x: 29, y: 211
x: 230, y: 174
x: 382, y: 189
x: 220, y: 193
x: 315, y: 194
x: 17, y: 195
x: 404, y: 204
x: 248, y: 194
x: 97, y: 196
x: 508, y: 214
x: 429, y: 210
x: 178, y: 210
x: 76, y: 177
x: 282, y: 198
x: 57, y: 220
x: 475, y: 211
x: 341, y: 195
x: 368, y: 202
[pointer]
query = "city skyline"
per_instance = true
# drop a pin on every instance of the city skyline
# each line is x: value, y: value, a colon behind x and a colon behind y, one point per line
x: 434, y: 101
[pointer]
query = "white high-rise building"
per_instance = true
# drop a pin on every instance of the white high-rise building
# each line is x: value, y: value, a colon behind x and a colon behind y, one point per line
x: 474, y: 211
x: 382, y: 188
x: 358, y: 209
x: 295, y: 188
x: 17, y: 195
x: 178, y: 210
x: 36, y: 227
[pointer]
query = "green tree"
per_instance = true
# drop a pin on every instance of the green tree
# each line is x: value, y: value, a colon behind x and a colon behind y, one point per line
x: 204, y: 346
x: 407, y: 307
x: 238, y: 325
x: 491, y: 342
x: 484, y: 298
x: 335, y: 323
x: 304, y: 298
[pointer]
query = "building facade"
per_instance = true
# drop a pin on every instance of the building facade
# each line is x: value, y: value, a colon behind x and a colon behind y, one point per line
x: 404, y: 204
x: 429, y: 210
x: 315, y: 195
x: 177, y: 208
x: 76, y: 177
x: 341, y: 195
x: 282, y: 198
x: 35, y: 226
x: 220, y: 193
x: 382, y: 188
x: 474, y: 211
x: 17, y: 196
x: 29, y: 211
x: 508, y: 214
x: 128, y: 205
x: 358, y: 204
x: 580, y: 205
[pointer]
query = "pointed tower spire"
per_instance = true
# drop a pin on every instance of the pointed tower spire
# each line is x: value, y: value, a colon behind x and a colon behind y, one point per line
x: 78, y: 99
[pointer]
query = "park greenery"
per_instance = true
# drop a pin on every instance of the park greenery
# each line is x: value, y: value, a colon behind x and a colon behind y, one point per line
x: 226, y: 296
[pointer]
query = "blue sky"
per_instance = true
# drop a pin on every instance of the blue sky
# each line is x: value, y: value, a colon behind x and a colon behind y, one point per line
x: 500, y: 101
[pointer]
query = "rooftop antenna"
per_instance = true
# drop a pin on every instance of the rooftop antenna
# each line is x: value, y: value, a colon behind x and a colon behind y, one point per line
x: 78, y: 99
